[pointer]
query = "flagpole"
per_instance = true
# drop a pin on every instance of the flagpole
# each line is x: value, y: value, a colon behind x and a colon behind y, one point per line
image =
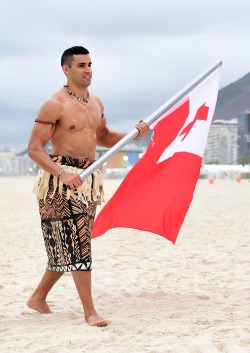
x: 150, y: 119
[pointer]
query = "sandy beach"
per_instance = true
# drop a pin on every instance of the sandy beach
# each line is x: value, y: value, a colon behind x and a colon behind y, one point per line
x: 193, y: 297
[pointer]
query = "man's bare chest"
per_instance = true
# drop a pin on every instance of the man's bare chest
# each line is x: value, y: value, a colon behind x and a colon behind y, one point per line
x: 78, y: 117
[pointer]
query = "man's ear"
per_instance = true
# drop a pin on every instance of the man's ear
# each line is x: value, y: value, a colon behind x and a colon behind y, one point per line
x: 65, y: 69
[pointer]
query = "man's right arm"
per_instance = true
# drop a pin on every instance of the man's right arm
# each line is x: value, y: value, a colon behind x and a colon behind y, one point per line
x: 42, y: 132
x: 44, y: 127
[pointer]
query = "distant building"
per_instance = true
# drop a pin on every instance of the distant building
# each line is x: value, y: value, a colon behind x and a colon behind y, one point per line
x: 121, y: 162
x: 6, y: 157
x: 244, y: 134
x: 222, y: 141
x: 15, y: 164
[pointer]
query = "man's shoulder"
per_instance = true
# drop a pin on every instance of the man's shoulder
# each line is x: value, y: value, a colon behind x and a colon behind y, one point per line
x: 97, y: 100
x: 56, y: 100
x: 58, y: 97
x: 52, y: 107
x: 51, y: 104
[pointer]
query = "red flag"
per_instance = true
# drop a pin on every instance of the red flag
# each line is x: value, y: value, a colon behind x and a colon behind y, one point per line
x: 156, y: 193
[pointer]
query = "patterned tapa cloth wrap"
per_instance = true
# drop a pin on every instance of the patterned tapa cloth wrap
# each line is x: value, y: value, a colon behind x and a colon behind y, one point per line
x: 67, y: 216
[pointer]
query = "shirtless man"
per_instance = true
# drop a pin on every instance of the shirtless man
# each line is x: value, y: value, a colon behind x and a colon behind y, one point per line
x: 73, y: 121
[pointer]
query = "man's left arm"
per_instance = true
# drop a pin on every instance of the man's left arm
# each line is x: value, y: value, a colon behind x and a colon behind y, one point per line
x: 108, y: 138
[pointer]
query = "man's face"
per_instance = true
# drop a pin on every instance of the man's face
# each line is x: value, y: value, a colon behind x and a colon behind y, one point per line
x: 79, y: 71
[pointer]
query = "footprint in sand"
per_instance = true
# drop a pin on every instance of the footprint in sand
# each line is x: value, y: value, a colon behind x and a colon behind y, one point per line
x: 207, y: 348
x: 227, y: 347
x: 232, y: 347
x: 203, y: 296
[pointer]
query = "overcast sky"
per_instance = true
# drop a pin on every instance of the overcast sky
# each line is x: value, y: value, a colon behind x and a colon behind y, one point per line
x: 143, y: 53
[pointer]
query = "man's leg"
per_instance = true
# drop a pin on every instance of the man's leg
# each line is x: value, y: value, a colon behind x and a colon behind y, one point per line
x: 38, y: 299
x: 82, y: 281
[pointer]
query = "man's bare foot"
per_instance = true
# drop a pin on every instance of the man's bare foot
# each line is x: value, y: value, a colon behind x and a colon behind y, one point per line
x: 39, y: 305
x: 96, y: 320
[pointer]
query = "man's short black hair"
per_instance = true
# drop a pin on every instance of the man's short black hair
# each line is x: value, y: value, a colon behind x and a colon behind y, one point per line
x: 68, y: 54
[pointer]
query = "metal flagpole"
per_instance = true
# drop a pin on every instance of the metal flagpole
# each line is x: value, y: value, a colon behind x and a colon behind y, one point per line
x: 149, y: 120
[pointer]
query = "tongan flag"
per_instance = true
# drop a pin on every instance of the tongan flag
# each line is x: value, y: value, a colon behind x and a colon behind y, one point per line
x: 156, y: 193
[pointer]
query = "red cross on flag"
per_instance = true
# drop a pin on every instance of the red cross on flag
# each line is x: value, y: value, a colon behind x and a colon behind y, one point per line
x: 157, y: 192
